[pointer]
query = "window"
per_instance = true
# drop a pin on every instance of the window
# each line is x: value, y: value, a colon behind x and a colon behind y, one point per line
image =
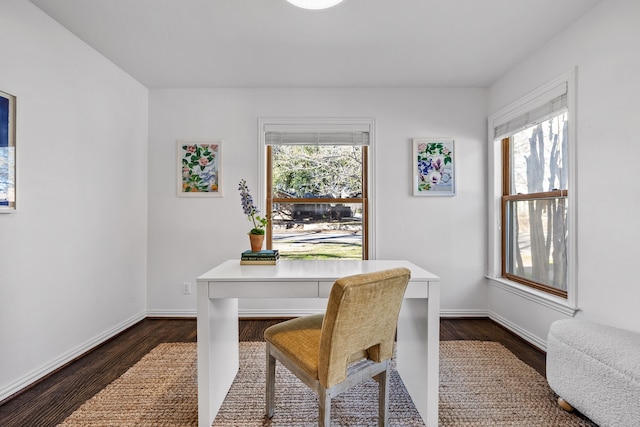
x: 533, y: 227
x: 316, y: 185
x: 534, y: 206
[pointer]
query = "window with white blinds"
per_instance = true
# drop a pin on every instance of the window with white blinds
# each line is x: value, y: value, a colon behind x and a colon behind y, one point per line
x: 532, y: 180
x: 317, y: 186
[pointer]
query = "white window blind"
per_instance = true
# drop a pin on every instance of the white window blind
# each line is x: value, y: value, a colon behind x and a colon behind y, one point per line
x: 547, y: 105
x: 317, y: 138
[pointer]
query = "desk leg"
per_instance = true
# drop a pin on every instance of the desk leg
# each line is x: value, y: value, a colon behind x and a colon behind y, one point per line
x: 217, y: 352
x: 418, y: 352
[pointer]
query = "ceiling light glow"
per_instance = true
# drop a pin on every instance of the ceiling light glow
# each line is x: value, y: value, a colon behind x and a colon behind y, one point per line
x: 314, y: 4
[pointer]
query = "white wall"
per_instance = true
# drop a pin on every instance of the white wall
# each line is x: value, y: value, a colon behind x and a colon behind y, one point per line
x: 445, y: 235
x: 604, y: 47
x: 73, y: 258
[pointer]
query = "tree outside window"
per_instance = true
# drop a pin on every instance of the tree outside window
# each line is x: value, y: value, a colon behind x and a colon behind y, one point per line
x: 534, y: 205
x: 316, y: 194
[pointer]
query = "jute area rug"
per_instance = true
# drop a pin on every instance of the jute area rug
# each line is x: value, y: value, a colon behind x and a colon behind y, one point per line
x: 481, y: 384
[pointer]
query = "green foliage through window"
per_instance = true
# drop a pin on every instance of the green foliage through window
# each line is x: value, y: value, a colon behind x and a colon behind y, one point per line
x: 317, y: 202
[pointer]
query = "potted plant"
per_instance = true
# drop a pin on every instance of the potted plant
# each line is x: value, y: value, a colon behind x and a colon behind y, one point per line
x: 256, y: 234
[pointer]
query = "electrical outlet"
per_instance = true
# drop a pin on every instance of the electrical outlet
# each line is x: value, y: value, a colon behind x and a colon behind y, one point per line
x: 186, y: 288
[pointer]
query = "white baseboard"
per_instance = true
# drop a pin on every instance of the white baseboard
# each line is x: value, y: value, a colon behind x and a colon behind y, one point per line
x: 276, y: 313
x: 172, y: 313
x: 463, y: 313
x: 67, y: 357
x: 522, y: 333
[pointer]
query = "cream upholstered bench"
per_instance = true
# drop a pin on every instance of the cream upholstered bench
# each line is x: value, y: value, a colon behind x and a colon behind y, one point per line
x: 595, y: 369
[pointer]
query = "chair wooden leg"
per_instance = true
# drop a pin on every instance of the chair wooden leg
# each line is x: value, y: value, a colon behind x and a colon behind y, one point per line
x: 324, y: 408
x: 270, y: 383
x: 383, y: 398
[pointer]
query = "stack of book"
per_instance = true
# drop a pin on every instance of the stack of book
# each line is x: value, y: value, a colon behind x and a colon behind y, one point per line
x: 266, y: 257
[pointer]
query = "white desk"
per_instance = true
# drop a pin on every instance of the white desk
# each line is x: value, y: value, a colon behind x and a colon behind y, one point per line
x: 417, y: 355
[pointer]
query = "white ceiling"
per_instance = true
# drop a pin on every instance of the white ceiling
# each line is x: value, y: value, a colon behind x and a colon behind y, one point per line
x: 358, y: 43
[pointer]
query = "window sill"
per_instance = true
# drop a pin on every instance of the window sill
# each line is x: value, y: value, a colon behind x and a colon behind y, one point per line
x: 556, y: 303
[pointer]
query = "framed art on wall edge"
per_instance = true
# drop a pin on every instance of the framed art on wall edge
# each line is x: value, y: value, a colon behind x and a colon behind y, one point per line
x: 199, y: 168
x: 434, y: 167
x: 7, y: 153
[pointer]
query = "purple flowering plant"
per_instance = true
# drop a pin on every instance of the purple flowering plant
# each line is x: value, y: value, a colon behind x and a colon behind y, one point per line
x: 250, y: 210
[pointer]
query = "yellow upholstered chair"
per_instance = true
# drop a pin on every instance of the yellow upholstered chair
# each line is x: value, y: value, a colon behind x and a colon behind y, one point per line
x: 351, y: 343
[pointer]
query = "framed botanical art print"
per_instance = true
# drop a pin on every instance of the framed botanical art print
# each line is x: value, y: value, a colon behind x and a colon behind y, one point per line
x: 199, y: 168
x: 7, y: 152
x: 433, y: 167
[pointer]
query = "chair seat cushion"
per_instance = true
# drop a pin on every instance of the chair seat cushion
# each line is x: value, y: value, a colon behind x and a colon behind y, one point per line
x: 299, y: 340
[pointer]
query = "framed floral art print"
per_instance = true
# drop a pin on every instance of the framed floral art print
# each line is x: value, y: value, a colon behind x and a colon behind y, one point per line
x: 199, y: 168
x: 433, y: 167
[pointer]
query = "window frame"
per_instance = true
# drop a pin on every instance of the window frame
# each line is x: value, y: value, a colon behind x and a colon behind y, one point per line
x: 507, y: 197
x: 563, y: 302
x: 321, y: 125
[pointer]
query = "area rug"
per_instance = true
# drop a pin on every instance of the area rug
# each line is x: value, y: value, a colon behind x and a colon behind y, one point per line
x: 481, y: 384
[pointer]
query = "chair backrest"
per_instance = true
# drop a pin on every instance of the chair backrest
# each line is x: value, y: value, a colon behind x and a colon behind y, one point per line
x: 360, y: 321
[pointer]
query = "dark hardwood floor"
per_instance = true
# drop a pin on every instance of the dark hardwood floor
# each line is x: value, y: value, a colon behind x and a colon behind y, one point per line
x: 51, y: 400
x: 484, y: 329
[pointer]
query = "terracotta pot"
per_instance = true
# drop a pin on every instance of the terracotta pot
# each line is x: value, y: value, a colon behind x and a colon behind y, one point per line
x: 256, y: 242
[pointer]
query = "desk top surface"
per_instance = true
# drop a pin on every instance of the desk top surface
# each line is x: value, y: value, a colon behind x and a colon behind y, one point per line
x: 307, y: 270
